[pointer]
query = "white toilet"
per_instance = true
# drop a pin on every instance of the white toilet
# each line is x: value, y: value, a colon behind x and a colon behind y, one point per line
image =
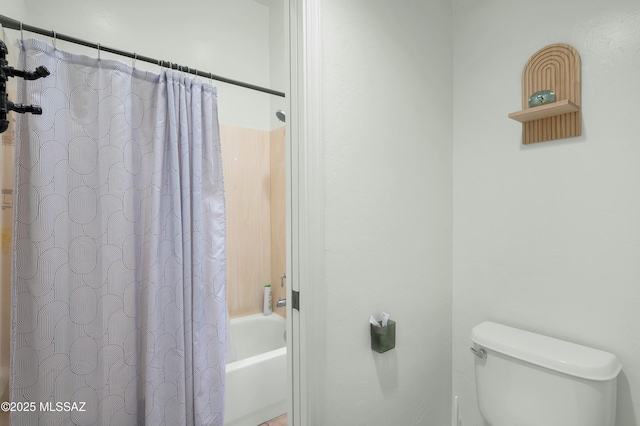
x: 526, y: 379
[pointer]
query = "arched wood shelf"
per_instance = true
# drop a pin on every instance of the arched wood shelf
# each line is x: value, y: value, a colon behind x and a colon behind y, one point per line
x: 555, y: 67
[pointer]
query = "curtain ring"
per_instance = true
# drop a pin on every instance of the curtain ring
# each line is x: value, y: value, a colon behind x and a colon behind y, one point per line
x: 135, y: 58
x: 98, y: 51
x: 54, y: 40
x: 21, y: 32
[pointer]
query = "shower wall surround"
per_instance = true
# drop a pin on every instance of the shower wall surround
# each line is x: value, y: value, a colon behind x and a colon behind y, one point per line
x: 278, y: 217
x: 246, y: 165
x: 253, y: 163
x: 546, y: 237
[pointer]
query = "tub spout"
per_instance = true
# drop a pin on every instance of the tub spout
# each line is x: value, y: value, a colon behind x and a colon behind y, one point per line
x: 281, y: 303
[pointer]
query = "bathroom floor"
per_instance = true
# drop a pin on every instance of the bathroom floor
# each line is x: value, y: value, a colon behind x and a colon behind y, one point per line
x: 278, y: 421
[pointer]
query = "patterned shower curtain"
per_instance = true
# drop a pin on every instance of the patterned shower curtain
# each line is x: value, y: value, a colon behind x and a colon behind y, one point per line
x: 119, y: 270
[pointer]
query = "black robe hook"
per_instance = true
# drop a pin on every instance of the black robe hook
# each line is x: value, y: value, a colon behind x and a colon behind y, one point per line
x: 5, y: 72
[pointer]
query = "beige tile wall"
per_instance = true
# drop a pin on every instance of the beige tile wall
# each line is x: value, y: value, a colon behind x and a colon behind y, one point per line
x: 278, y: 216
x: 254, y: 167
x: 246, y: 167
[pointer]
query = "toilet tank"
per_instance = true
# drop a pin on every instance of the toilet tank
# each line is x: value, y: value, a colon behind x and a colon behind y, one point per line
x: 527, y: 379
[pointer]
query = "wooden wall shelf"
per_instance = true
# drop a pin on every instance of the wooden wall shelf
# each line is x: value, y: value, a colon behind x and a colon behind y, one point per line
x: 555, y: 67
x: 545, y: 111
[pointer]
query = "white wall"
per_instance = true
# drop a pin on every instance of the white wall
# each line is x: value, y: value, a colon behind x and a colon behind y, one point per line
x: 15, y: 9
x: 279, y: 51
x: 547, y: 236
x: 387, y: 132
x: 227, y: 38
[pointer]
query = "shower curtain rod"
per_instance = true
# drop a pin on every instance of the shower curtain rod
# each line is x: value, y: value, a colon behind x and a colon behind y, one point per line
x: 13, y: 24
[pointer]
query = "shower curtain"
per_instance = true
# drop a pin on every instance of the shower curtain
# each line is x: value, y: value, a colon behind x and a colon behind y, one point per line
x: 119, y: 273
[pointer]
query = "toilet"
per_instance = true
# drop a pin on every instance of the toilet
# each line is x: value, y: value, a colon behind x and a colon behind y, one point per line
x: 527, y: 379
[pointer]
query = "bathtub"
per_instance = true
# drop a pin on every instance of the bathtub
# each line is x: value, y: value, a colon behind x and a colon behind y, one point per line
x: 256, y: 384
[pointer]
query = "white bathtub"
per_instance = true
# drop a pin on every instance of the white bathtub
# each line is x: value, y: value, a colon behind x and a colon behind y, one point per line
x: 256, y: 384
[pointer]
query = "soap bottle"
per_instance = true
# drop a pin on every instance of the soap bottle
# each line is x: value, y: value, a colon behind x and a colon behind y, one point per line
x: 268, y: 306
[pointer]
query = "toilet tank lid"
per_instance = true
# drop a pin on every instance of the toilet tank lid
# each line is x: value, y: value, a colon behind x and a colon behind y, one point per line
x: 554, y: 354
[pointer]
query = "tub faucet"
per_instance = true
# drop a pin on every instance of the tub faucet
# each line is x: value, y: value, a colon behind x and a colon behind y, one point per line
x: 281, y: 303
